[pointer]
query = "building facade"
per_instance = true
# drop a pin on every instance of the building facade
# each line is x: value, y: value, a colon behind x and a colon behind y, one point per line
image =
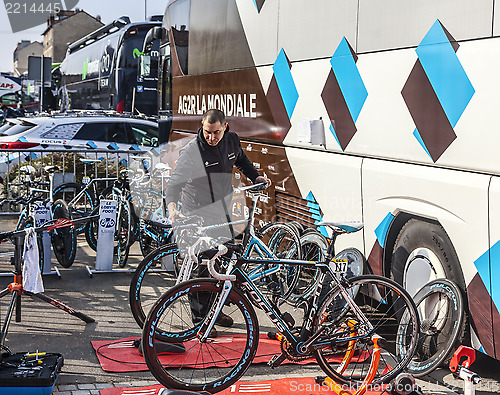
x: 63, y: 29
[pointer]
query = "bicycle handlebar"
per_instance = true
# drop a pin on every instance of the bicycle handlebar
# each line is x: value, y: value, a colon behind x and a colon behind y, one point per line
x: 222, y: 249
x: 158, y: 224
x: 252, y: 188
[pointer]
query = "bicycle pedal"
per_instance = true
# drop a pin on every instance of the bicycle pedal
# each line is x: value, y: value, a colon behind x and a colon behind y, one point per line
x: 276, y: 360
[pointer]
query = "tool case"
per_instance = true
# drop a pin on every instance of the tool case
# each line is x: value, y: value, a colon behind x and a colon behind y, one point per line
x: 29, y: 373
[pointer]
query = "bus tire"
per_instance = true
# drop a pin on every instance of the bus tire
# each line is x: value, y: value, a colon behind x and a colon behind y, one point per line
x: 423, y: 252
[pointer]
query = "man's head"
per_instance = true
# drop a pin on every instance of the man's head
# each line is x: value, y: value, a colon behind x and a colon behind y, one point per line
x: 214, y: 125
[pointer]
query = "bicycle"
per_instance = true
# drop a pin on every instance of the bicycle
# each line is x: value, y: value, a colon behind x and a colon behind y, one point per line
x: 336, y: 331
x: 166, y: 266
x: 63, y: 240
x: 82, y: 198
x: 152, y: 208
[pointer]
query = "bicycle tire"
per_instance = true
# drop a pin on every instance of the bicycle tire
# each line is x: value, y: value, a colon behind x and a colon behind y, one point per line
x: 284, y: 241
x: 441, y: 311
x: 314, y: 247
x: 391, y: 311
x: 63, y: 239
x: 91, y: 229
x: 155, y: 274
x: 123, y: 232
x: 82, y: 207
x: 147, y: 242
x: 232, y: 352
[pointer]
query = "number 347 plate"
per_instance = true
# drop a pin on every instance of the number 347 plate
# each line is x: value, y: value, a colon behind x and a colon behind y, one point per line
x: 339, y: 265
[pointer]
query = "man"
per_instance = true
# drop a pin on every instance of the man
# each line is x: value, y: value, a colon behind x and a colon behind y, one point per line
x: 202, y: 179
x: 203, y: 172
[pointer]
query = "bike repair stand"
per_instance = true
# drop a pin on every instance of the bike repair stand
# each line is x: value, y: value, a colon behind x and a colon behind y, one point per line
x: 341, y: 390
x: 16, y: 287
x: 459, y: 364
x: 106, y: 240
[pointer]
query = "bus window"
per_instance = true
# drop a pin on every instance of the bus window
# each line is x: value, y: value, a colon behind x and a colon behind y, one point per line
x: 145, y: 135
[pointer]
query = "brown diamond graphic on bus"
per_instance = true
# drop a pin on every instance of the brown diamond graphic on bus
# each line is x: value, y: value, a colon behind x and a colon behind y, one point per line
x: 436, y: 100
x: 344, y: 94
x: 259, y: 4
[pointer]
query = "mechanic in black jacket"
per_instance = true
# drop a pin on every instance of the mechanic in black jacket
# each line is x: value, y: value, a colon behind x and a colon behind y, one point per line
x: 202, y: 179
x: 204, y: 170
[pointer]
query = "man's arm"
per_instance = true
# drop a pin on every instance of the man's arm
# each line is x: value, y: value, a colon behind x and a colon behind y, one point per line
x: 248, y: 169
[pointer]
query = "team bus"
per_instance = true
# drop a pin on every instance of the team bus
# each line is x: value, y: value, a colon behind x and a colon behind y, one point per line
x: 384, y: 114
x: 100, y: 70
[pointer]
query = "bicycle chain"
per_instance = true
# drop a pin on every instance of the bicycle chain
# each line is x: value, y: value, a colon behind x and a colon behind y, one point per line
x: 294, y: 358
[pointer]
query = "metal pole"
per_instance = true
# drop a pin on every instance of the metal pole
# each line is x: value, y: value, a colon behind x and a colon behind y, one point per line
x: 43, y: 83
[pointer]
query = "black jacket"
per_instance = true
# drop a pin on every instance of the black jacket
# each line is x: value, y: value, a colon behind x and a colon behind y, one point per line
x: 204, y: 173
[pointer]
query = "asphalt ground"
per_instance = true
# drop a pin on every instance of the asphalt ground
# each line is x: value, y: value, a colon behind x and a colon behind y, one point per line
x: 104, y: 297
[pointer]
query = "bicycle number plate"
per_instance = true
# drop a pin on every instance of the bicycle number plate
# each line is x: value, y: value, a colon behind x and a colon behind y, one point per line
x: 85, y: 180
x: 339, y: 265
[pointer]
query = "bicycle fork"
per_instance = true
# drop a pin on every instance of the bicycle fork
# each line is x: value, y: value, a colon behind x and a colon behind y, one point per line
x: 209, y: 322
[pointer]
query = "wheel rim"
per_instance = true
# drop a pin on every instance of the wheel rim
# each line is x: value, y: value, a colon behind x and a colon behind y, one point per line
x: 421, y: 267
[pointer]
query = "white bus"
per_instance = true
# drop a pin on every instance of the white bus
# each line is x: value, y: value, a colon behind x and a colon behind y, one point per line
x: 381, y: 112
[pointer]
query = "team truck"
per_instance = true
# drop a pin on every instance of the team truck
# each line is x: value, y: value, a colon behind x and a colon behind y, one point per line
x: 384, y: 114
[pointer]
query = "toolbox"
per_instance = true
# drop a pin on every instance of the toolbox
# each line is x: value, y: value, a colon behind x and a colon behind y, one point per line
x: 29, y: 373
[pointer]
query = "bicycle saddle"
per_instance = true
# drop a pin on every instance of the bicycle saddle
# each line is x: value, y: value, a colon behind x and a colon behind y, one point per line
x: 51, y: 169
x: 162, y: 167
x: 27, y: 169
x: 347, y: 227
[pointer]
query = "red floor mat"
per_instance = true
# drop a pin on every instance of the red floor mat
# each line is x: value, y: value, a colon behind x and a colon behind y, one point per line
x: 298, y: 386
x: 122, y: 356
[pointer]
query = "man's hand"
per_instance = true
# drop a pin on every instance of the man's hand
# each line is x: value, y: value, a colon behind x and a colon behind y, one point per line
x: 260, y: 179
x: 173, y: 213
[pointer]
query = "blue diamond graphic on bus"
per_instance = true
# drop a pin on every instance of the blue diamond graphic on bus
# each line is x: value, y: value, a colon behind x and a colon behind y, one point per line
x: 316, y: 213
x: 286, y: 85
x: 435, y: 99
x: 344, y: 94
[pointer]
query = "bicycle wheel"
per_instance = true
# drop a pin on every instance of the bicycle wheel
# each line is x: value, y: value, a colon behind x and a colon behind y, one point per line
x: 151, y: 237
x: 123, y: 232
x: 442, y: 322
x: 284, y: 242
x: 314, y: 247
x: 63, y: 239
x: 354, y: 267
x: 80, y: 207
x: 91, y: 229
x: 391, y: 312
x: 212, y: 365
x: 154, y: 275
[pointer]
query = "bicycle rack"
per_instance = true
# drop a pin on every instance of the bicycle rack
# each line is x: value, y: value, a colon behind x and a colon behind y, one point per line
x: 459, y: 364
x: 105, y: 243
x: 340, y: 390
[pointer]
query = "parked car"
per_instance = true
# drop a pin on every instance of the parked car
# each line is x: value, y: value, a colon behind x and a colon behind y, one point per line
x: 86, y: 131
x: 79, y: 130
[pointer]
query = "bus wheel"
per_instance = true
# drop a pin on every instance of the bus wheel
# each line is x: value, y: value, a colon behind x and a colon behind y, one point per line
x: 423, y: 252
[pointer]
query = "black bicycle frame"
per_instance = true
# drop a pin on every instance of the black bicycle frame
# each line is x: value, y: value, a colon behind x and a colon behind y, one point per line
x: 272, y: 311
